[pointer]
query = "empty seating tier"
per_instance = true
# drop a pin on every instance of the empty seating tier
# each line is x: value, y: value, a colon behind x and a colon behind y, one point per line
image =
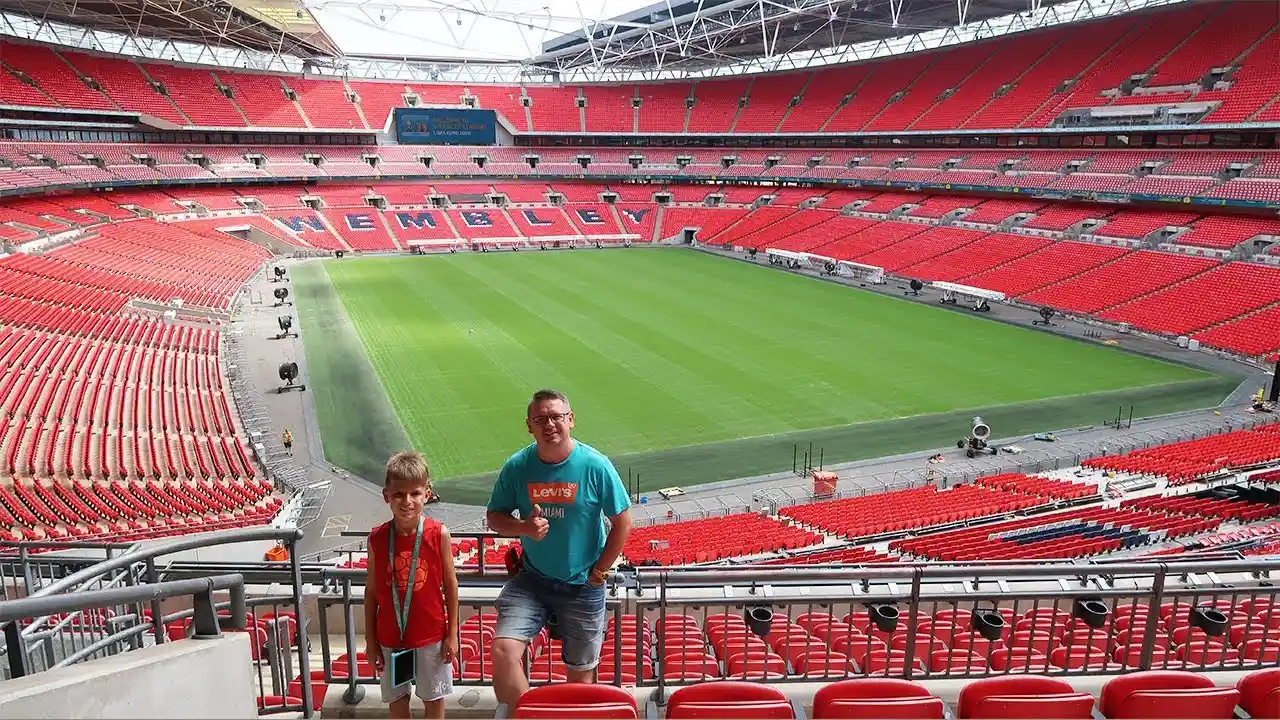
x: 1193, y: 459
x: 1004, y: 83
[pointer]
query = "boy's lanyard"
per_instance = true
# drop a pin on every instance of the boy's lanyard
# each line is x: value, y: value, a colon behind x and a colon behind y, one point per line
x: 402, y: 611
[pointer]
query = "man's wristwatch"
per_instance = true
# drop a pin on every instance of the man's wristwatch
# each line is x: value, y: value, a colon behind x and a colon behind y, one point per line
x: 598, y: 576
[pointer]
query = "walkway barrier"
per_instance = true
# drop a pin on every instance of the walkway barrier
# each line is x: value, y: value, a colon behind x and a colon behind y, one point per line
x: 671, y: 627
x: 66, y: 603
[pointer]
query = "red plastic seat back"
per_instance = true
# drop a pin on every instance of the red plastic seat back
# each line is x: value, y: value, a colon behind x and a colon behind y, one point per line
x: 888, y: 698
x: 599, y: 711
x: 1165, y: 694
x: 749, y: 710
x: 926, y: 708
x: 1206, y: 704
x: 1066, y: 706
x: 973, y: 695
x: 729, y: 699
x: 1260, y: 694
x: 577, y: 701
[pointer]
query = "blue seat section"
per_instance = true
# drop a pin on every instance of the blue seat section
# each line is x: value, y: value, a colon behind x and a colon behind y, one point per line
x: 1128, y: 538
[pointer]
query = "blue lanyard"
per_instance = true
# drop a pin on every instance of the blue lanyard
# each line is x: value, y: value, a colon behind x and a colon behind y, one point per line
x: 402, y: 611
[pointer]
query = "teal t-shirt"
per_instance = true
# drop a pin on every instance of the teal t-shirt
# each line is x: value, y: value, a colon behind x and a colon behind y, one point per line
x: 575, y: 496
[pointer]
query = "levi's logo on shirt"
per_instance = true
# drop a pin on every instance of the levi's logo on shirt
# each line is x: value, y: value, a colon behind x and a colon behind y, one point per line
x: 553, y: 492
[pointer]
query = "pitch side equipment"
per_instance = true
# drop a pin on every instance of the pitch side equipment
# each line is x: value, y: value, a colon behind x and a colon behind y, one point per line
x: 976, y: 443
x: 288, y: 373
x: 978, y: 299
x: 286, y: 327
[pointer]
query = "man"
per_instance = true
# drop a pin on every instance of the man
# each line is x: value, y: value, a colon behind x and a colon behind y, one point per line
x: 563, y: 490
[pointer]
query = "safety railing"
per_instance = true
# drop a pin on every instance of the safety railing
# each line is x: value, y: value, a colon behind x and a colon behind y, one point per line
x: 83, y: 604
x: 801, y: 624
x: 670, y: 627
x: 37, y: 641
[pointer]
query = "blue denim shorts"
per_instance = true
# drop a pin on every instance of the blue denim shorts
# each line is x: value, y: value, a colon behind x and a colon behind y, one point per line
x: 528, y: 599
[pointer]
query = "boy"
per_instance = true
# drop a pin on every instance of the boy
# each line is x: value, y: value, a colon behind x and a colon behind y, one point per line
x: 419, y: 616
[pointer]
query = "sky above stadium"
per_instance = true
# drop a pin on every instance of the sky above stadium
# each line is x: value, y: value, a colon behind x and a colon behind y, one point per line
x: 503, y: 30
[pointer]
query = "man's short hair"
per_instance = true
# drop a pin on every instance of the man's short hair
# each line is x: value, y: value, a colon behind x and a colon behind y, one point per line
x: 408, y: 467
x: 544, y: 395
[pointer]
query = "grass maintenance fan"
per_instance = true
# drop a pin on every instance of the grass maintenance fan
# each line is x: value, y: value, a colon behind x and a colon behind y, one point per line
x: 288, y: 372
x: 976, y: 443
x: 286, y: 327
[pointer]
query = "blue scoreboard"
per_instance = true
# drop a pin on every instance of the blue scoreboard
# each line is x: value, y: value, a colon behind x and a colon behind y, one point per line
x: 445, y: 126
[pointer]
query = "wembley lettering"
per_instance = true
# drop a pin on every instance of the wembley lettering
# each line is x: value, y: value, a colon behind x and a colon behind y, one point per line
x: 589, y: 216
x: 531, y: 217
x: 477, y: 218
x: 636, y: 215
x: 302, y: 224
x: 359, y: 222
x: 418, y: 220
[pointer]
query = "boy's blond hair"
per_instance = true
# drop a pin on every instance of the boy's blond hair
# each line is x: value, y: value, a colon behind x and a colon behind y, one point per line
x: 408, y: 467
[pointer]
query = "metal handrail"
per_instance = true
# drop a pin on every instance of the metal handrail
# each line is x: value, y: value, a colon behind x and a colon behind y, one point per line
x: 228, y: 537
x: 205, y: 620
x: 705, y: 575
x: 68, y: 590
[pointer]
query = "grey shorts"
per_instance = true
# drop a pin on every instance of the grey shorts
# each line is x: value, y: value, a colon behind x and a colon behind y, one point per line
x: 526, y: 602
x: 432, y: 677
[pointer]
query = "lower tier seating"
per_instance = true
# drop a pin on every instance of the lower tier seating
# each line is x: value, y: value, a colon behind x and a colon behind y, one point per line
x: 713, y: 539
x: 117, y: 423
x: 1191, y: 460
x: 907, y: 509
x: 1229, y: 306
x: 1076, y: 533
x: 1170, y: 694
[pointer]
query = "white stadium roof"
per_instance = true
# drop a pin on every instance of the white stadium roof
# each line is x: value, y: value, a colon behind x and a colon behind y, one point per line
x: 534, y: 40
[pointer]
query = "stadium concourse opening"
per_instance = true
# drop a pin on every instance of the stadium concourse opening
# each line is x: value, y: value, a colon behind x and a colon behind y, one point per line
x: 936, y: 362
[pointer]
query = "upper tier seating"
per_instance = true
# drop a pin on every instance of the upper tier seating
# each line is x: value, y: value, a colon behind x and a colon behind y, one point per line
x: 1225, y: 233
x: 1018, y: 81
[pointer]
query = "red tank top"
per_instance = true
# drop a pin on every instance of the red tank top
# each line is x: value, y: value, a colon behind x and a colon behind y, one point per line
x: 426, y: 623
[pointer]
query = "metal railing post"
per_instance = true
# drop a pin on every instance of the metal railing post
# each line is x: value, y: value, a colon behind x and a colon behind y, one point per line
x: 135, y: 641
x: 913, y: 608
x: 157, y: 618
x: 204, y: 620
x: 1153, y: 617
x: 659, y: 695
x: 24, y: 561
x: 354, y: 692
x: 304, y: 641
x: 16, y: 649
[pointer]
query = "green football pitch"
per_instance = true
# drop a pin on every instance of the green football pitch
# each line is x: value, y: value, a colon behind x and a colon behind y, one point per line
x: 683, y: 367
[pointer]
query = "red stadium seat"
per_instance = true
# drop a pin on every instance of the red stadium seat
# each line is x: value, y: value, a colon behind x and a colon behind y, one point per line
x: 885, y: 698
x: 1260, y: 694
x: 1023, y: 697
x: 577, y: 702
x: 729, y: 699
x: 1167, y: 695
